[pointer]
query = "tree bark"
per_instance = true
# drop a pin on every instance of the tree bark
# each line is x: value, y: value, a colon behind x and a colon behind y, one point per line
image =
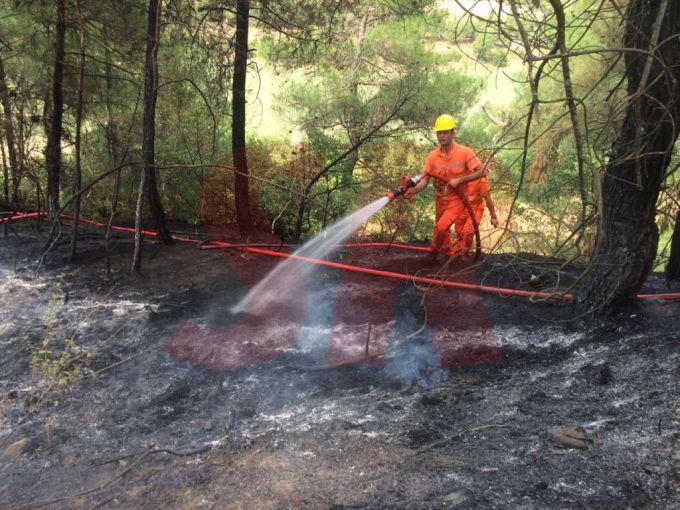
x: 5, y: 174
x: 9, y: 135
x: 628, y: 236
x: 673, y: 265
x: 20, y: 154
x: 238, y: 130
x: 149, y: 142
x: 147, y: 184
x: 53, y: 150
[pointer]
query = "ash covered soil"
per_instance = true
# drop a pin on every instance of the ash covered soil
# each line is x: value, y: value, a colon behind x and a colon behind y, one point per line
x: 357, y: 392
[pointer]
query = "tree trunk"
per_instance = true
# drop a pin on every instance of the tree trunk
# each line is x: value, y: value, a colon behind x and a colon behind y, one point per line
x: 148, y: 145
x: 53, y: 150
x: 40, y: 197
x: 673, y: 265
x: 137, y: 256
x: 20, y: 152
x: 238, y: 130
x: 5, y: 174
x: 77, y: 181
x: 628, y: 236
x: 9, y: 134
x: 109, y: 224
x: 147, y: 184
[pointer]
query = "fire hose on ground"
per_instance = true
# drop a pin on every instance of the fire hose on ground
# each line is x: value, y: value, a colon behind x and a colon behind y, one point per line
x: 260, y: 249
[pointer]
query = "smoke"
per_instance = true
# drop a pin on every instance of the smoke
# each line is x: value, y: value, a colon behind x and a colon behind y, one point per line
x: 416, y: 363
x: 314, y: 336
x: 414, y: 360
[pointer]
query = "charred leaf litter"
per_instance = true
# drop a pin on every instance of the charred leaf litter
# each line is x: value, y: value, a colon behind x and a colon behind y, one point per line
x: 167, y: 400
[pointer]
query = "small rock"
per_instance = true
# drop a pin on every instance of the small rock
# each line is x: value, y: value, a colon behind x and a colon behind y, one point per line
x: 570, y: 437
x: 15, y: 449
x: 454, y: 498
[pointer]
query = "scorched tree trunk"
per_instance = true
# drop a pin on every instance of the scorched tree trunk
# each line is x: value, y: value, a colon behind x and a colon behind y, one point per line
x: 53, y: 150
x: 639, y: 158
x: 238, y: 133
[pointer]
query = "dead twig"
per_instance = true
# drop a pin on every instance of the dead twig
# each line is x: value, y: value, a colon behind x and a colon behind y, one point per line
x: 368, y: 339
x: 186, y: 453
x: 444, y: 441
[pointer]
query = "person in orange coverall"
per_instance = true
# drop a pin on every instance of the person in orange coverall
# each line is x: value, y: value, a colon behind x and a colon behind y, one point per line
x: 452, y: 166
x: 478, y: 196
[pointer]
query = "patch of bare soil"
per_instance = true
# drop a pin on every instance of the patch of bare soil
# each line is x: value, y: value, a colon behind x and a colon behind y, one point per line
x: 357, y: 392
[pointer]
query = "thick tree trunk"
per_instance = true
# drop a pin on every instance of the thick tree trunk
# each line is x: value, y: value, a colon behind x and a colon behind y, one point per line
x: 147, y: 184
x: 9, y: 135
x: 53, y: 150
x: 149, y: 142
x: 238, y: 130
x: 628, y: 236
x: 673, y: 265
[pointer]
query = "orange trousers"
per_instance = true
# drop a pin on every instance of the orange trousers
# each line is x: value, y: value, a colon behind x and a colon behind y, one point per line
x: 449, y: 212
x: 469, y: 231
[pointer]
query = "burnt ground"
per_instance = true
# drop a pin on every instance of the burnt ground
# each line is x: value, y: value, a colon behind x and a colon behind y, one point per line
x: 150, y: 393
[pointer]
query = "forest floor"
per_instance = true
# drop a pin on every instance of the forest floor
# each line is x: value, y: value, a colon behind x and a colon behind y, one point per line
x: 148, y: 392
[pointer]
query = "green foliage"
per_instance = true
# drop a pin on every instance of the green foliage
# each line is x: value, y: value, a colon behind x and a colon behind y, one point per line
x: 441, y: 92
x: 279, y: 208
x: 380, y: 171
x: 352, y: 84
x: 485, y: 49
x: 348, y: 66
x: 464, y: 31
x: 383, y: 69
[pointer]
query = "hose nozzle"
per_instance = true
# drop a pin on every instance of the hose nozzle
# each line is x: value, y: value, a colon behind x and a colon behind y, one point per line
x: 406, y: 183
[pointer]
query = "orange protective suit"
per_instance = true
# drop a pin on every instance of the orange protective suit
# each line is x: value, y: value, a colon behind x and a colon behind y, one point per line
x: 476, y: 200
x: 449, y: 206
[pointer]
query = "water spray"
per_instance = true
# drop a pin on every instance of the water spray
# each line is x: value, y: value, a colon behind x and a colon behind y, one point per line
x: 406, y: 183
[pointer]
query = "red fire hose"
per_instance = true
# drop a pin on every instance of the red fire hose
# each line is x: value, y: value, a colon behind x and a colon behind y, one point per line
x: 389, y: 274
x: 221, y: 245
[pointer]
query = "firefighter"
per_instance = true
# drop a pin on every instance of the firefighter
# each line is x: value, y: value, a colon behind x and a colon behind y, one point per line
x: 451, y: 166
x: 478, y: 196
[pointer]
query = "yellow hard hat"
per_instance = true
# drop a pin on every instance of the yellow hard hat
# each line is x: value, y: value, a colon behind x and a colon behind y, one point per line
x: 444, y: 123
